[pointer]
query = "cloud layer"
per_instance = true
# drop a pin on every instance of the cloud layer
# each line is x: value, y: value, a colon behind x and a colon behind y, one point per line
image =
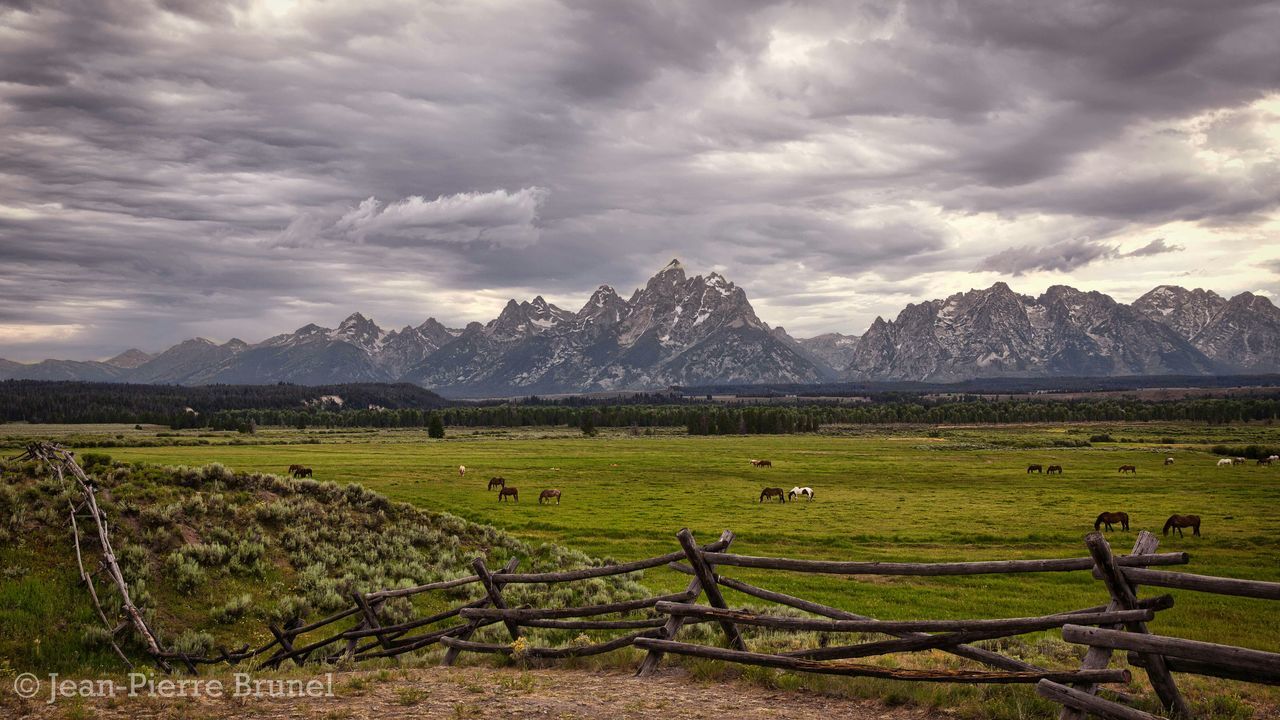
x: 237, y: 168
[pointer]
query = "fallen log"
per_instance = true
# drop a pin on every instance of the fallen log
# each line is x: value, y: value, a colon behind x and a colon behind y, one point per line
x: 1092, y: 704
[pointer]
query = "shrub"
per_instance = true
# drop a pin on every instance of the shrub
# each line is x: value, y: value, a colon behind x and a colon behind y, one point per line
x: 1104, y: 437
x: 184, y: 572
x: 193, y: 643
x: 235, y: 609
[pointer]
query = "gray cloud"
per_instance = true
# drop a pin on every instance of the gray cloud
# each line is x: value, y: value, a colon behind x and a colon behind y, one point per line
x: 1155, y: 247
x: 1062, y: 256
x: 172, y: 168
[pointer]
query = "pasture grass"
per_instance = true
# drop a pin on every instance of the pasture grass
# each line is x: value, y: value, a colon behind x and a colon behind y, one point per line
x: 903, y: 493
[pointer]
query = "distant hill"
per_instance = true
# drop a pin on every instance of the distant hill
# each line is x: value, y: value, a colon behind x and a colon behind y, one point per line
x: 73, y: 402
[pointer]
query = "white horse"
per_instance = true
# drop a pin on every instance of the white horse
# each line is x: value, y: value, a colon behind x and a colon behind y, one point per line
x: 1168, y: 461
x: 800, y: 491
x: 1225, y: 461
x: 462, y: 470
x: 1274, y: 458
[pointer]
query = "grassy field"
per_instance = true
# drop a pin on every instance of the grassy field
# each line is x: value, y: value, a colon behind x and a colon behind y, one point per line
x: 913, y: 494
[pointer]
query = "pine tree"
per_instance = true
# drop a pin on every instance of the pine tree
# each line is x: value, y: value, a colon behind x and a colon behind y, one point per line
x: 435, y: 428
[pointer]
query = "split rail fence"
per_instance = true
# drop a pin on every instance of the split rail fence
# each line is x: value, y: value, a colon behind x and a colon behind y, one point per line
x: 360, y: 632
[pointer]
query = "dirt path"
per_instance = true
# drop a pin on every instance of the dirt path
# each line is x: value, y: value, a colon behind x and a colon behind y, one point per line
x: 460, y: 693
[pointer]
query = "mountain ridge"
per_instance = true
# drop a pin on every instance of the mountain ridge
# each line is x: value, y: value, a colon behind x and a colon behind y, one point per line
x: 681, y: 329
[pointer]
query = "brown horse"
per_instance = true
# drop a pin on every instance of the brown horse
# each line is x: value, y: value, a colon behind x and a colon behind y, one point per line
x: 1264, y: 461
x: 1054, y: 469
x: 1177, y: 522
x: 772, y: 493
x: 496, y: 482
x: 1034, y: 469
x: 506, y: 492
x: 1128, y: 469
x: 294, y: 468
x: 1107, y: 518
x: 761, y: 463
x: 302, y: 472
x: 548, y: 494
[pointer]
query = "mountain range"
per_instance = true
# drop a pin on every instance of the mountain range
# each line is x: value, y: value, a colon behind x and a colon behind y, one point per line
x: 682, y: 330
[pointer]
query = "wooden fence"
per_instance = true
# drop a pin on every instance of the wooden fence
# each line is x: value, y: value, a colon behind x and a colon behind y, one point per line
x: 361, y: 631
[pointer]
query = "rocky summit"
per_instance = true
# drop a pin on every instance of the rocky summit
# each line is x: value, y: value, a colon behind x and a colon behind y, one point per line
x: 692, y: 330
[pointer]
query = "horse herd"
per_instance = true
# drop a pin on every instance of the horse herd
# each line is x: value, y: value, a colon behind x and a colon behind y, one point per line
x: 1175, y: 522
x: 505, y: 492
x: 1226, y: 462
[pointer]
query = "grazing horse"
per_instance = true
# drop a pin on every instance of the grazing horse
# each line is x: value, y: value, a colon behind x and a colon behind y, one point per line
x: 800, y: 491
x: 462, y: 470
x: 1034, y: 469
x: 1053, y: 469
x: 294, y: 468
x: 496, y: 482
x: 1264, y: 461
x: 1107, y: 518
x: 506, y: 492
x: 1168, y: 461
x: 761, y: 463
x: 1128, y: 469
x: 1225, y: 462
x: 548, y: 494
x: 772, y: 493
x: 1237, y: 461
x: 302, y: 472
x: 1177, y: 522
x: 1274, y: 458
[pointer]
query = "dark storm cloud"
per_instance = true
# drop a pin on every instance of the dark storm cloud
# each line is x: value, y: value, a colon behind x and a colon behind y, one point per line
x: 173, y: 168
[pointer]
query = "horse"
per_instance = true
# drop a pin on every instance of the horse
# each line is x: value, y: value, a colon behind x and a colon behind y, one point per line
x: 1225, y: 462
x: 772, y: 493
x: 1177, y: 522
x: 548, y: 494
x: 1128, y: 469
x: 496, y: 482
x: 302, y: 472
x: 1053, y: 469
x: 462, y: 470
x: 800, y: 491
x: 294, y: 468
x: 761, y: 463
x: 506, y: 492
x: 1107, y: 518
x: 1237, y: 461
x: 1274, y: 458
x: 1264, y: 461
x: 1034, y: 468
x: 1168, y: 461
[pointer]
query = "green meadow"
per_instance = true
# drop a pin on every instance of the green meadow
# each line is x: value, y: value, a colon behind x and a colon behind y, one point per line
x: 903, y: 494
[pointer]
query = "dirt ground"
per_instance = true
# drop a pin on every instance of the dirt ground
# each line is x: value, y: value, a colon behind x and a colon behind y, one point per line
x: 484, y: 693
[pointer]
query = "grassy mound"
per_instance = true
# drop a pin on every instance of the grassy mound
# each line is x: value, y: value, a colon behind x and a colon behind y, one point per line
x: 211, y: 556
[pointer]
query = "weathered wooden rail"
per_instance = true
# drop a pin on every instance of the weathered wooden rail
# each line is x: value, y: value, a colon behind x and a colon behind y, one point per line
x: 361, y: 632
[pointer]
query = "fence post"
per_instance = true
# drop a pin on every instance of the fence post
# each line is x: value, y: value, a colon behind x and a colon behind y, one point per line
x: 1124, y: 597
x: 371, y: 620
x: 695, y: 587
x: 493, y: 589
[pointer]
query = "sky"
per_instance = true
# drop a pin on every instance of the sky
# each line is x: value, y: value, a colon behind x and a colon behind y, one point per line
x: 181, y: 168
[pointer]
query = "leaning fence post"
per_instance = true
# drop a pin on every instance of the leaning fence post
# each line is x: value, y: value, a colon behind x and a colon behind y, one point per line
x: 1124, y: 597
x: 371, y: 620
x: 695, y: 587
x: 492, y: 588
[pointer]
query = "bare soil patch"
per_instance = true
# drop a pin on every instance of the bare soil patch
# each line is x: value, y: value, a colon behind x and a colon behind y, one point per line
x: 483, y: 693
